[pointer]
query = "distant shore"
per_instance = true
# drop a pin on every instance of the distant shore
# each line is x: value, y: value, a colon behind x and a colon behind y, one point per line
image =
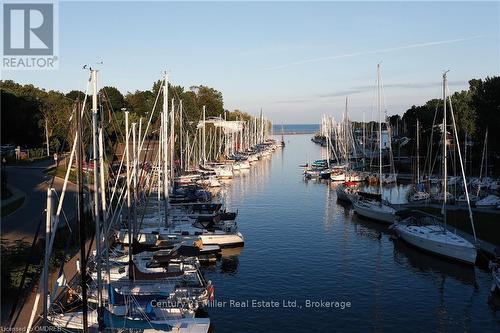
x: 295, y: 133
x: 291, y: 129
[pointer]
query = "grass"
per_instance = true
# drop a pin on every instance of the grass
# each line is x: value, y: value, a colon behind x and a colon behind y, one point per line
x: 61, y: 173
x: 12, y: 207
x: 12, y: 160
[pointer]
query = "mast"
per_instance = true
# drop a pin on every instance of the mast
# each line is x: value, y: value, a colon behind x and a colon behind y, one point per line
x: 96, y: 190
x: 241, y: 134
x: 261, y: 137
x: 379, y: 102
x: 328, y: 148
x: 134, y: 169
x: 445, y: 150
x: 81, y: 218
x: 48, y: 222
x: 129, y: 201
x: 418, y: 153
x: 204, y: 137
x: 104, y: 214
x: 465, y: 153
x: 165, y: 138
x: 172, y: 143
x: 345, y: 134
x: 160, y: 137
x: 181, y: 158
x: 102, y: 174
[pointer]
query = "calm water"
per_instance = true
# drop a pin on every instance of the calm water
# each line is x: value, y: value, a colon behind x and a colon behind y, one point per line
x: 300, y: 244
x: 295, y: 128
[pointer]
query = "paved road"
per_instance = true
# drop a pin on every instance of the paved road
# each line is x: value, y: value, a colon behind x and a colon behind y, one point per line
x: 21, y: 225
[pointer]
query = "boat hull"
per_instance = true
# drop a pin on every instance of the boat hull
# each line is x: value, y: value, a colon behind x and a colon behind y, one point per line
x: 451, y: 251
x: 380, y: 216
x: 337, y: 177
x: 224, y: 241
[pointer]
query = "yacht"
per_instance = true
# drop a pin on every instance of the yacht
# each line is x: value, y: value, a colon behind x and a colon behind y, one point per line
x: 140, y: 323
x: 427, y: 232
x: 431, y: 233
x: 371, y: 206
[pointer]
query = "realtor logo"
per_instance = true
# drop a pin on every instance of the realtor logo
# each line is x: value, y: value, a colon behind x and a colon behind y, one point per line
x: 29, y: 31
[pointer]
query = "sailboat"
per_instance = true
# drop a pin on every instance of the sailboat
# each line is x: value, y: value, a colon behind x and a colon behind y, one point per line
x: 282, y: 137
x: 429, y: 232
x: 370, y: 206
x: 419, y: 194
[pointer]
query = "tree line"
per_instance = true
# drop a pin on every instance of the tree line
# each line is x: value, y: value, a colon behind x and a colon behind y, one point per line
x: 476, y: 111
x: 27, y: 111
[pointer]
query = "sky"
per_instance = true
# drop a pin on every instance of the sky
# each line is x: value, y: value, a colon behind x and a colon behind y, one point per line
x: 295, y: 60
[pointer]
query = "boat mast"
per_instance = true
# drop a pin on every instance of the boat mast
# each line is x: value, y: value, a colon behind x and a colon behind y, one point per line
x: 45, y: 276
x: 327, y: 132
x: 240, y: 127
x: 134, y: 179
x: 203, y: 138
x: 445, y: 150
x: 159, y: 167
x: 180, y: 136
x: 96, y: 190
x: 81, y: 219
x: 165, y: 139
x: 129, y: 203
x: 418, y: 154
x: 172, y: 143
x: 379, y: 130
x: 346, y: 124
x: 364, y: 140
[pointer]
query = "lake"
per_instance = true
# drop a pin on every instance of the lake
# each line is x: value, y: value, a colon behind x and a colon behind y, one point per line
x: 310, y: 265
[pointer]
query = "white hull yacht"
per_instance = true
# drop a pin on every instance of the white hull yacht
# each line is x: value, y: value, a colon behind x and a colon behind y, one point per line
x: 375, y: 210
x: 424, y: 231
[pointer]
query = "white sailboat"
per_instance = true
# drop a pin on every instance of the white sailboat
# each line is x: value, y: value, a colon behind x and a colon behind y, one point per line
x: 375, y: 210
x: 426, y: 231
x: 369, y: 207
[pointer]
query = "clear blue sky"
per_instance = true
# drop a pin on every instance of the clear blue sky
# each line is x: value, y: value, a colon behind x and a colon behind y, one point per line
x: 295, y: 60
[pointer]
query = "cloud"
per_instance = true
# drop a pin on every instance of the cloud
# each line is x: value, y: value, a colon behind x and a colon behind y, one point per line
x: 344, y: 93
x: 362, y: 89
x: 362, y: 53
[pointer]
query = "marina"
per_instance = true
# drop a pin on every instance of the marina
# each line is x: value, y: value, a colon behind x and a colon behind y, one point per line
x: 215, y: 248
x: 237, y: 167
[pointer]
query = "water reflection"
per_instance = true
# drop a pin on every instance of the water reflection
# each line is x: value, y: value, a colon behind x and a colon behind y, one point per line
x: 229, y: 265
x: 421, y: 262
x: 328, y: 217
